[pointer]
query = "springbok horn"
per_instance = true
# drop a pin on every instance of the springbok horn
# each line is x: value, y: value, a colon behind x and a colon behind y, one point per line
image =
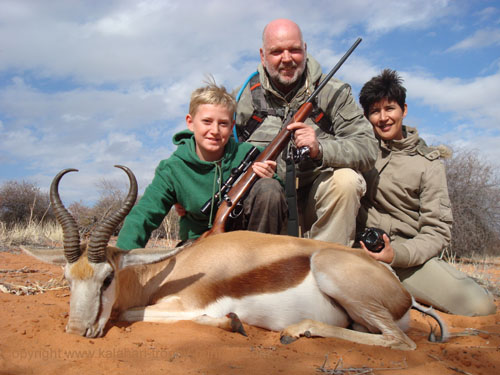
x: 71, y: 236
x: 101, y: 235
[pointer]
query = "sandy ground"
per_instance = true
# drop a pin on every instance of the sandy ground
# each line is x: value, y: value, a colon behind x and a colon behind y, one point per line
x: 33, y: 341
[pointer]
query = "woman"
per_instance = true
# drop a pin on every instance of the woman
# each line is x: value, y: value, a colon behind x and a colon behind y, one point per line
x: 407, y: 197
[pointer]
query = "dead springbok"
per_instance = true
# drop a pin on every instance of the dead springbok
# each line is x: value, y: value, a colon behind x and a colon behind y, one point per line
x: 300, y: 287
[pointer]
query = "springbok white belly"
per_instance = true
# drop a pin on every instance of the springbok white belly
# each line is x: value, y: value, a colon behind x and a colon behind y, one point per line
x: 275, y: 311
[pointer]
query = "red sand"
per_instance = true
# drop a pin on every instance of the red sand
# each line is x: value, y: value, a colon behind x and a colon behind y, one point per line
x: 33, y: 341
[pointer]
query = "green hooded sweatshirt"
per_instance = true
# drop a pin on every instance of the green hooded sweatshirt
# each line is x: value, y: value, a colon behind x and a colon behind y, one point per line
x: 182, y: 178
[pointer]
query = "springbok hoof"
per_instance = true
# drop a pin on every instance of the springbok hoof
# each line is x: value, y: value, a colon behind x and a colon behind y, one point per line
x: 236, y: 325
x: 287, y: 339
x: 433, y: 337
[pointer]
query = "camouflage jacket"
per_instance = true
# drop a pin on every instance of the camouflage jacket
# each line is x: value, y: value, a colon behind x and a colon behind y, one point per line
x: 348, y: 143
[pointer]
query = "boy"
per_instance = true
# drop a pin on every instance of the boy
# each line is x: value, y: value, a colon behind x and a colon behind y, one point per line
x: 407, y: 197
x: 206, y: 153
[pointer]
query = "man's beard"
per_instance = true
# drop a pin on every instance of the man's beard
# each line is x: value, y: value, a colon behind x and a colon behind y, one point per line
x: 286, y: 82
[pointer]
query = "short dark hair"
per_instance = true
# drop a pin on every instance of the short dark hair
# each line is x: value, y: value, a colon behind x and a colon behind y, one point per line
x: 387, y: 85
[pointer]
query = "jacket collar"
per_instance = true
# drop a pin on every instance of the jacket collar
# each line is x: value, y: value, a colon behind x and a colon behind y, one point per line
x: 412, y: 144
x: 407, y: 144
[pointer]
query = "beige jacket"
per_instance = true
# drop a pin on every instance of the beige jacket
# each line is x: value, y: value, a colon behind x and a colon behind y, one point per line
x: 408, y: 198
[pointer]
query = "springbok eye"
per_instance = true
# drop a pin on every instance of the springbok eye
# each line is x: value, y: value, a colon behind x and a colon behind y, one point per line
x: 107, y: 281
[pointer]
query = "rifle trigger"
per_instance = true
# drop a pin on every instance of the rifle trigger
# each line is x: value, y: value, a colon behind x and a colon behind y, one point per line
x: 237, y: 211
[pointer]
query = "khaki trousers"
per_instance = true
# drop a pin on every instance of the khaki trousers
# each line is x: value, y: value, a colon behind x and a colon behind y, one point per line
x: 328, y: 207
x: 437, y: 283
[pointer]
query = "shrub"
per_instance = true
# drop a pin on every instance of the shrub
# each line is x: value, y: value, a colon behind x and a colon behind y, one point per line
x: 84, y: 217
x: 110, y: 199
x: 474, y: 189
x: 23, y: 203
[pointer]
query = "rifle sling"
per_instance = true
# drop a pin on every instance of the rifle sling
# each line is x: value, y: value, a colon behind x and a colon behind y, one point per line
x: 291, y: 198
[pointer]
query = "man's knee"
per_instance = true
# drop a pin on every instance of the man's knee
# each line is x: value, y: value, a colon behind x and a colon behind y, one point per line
x: 268, y: 187
x: 459, y: 294
x: 347, y: 182
x: 471, y: 299
x: 480, y: 304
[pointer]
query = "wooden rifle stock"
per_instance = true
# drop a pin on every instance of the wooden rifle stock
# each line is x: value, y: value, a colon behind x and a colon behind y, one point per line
x: 271, y: 152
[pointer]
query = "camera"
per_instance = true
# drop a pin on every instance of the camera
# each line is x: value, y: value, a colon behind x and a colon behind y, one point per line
x: 373, y: 238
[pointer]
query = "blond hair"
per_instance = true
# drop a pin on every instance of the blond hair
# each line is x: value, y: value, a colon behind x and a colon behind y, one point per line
x: 211, y: 94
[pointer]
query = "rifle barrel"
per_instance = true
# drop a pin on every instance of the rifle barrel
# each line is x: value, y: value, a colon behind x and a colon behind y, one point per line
x: 334, y: 70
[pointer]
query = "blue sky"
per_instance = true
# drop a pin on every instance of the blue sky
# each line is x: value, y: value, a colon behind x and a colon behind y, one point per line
x: 89, y: 84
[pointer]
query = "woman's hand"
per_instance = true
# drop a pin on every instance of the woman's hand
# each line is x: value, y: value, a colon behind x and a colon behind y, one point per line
x: 386, y: 255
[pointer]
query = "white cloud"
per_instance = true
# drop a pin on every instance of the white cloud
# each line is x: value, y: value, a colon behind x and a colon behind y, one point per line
x: 488, y: 13
x: 481, y: 38
x: 467, y: 111
x: 89, y: 84
x: 398, y: 14
x: 465, y: 99
x: 86, y: 129
x: 125, y: 41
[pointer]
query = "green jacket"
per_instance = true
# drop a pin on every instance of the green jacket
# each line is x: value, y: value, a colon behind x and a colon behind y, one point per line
x: 349, y: 143
x: 182, y: 178
x: 407, y: 196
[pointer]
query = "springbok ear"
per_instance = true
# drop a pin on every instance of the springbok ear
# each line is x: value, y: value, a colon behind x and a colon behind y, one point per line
x: 145, y: 256
x: 52, y: 256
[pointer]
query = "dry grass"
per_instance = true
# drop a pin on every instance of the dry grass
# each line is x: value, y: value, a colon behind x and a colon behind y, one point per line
x: 51, y: 235
x: 339, y: 368
x: 46, y: 234
x: 32, y: 288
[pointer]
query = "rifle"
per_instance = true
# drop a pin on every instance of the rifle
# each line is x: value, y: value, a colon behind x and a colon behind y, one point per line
x: 207, y: 208
x: 271, y: 152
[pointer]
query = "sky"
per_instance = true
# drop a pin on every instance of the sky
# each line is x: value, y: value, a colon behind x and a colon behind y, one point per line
x: 89, y: 84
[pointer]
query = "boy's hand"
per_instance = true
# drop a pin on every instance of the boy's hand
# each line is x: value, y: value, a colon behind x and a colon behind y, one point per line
x: 264, y: 169
x: 305, y: 136
x: 181, y: 211
x: 386, y: 255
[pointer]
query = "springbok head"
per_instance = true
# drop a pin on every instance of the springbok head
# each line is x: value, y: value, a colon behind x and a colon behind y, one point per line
x: 92, y: 268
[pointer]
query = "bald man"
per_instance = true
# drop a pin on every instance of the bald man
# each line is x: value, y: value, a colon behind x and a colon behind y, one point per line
x: 340, y: 139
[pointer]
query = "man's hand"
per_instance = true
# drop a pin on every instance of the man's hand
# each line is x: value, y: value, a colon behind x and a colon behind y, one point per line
x: 386, y: 255
x: 264, y: 169
x: 305, y: 136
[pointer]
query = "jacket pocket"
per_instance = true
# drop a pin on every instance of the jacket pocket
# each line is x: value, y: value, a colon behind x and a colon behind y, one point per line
x: 348, y: 113
x: 445, y: 213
